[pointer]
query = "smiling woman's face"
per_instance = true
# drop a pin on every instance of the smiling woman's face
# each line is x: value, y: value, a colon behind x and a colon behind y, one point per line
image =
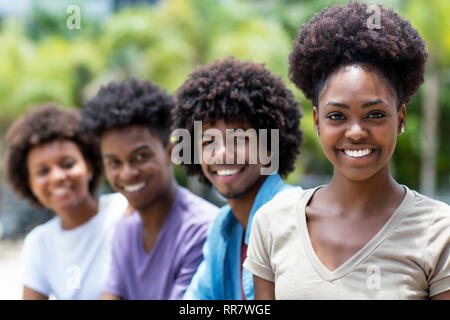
x: 58, y: 175
x: 358, y: 122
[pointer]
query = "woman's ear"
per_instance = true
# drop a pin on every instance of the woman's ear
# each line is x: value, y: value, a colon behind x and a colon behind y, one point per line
x: 316, y: 120
x: 90, y: 171
x: 401, y: 119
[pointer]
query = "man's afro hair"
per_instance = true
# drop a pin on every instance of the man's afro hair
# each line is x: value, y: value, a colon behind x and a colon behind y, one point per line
x: 132, y: 102
x: 231, y: 90
x: 341, y: 35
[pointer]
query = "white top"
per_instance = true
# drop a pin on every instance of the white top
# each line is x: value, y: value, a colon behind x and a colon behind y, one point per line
x: 407, y: 259
x: 72, y: 264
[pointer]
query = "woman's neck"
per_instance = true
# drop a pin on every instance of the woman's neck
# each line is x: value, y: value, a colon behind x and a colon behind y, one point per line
x: 80, y: 214
x: 363, y: 197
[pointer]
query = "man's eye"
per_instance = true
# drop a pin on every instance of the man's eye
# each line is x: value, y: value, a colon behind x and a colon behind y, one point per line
x: 67, y: 164
x: 141, y: 156
x: 335, y: 116
x: 376, y: 115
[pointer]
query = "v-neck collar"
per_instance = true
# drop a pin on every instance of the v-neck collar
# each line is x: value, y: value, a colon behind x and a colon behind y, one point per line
x: 167, y: 222
x: 361, y: 254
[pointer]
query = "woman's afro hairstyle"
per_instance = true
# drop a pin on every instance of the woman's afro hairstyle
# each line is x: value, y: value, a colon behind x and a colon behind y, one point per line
x: 132, y: 102
x: 44, y: 124
x: 231, y: 90
x: 341, y: 35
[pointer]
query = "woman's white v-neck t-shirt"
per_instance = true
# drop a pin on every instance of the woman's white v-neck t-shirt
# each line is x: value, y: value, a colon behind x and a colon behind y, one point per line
x: 409, y: 257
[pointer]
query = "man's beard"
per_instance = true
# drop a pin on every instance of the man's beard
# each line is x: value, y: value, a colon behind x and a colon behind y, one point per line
x: 231, y: 195
x: 235, y: 194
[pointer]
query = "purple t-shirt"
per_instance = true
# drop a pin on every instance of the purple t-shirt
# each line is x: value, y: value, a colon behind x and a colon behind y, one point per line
x: 166, y: 271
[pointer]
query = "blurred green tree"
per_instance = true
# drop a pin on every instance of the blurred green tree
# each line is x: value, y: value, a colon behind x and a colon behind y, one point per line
x: 432, y: 19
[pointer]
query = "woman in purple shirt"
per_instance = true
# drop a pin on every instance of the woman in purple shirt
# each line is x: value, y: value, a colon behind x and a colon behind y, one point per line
x: 157, y: 249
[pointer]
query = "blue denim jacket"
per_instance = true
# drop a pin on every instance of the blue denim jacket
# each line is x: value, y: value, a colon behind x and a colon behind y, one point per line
x: 218, y: 276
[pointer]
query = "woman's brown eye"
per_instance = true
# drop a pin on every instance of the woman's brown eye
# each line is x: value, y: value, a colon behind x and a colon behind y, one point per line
x: 335, y: 116
x: 376, y: 115
x: 41, y: 172
x: 112, y: 163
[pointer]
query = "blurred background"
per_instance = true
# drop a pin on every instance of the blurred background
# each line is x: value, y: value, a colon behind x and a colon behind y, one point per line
x: 48, y: 54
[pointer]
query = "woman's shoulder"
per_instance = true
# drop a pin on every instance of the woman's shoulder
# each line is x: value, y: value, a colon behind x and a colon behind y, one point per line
x: 113, y: 202
x: 284, y: 207
x: 112, y: 208
x: 281, y: 214
x: 431, y: 217
x: 39, y: 233
x: 428, y: 206
x: 286, y: 200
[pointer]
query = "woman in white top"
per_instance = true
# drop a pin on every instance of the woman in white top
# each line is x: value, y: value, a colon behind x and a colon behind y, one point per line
x: 362, y: 236
x: 54, y: 165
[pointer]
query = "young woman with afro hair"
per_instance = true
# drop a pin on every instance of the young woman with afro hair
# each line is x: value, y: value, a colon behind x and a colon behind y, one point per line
x: 363, y: 235
x: 54, y: 165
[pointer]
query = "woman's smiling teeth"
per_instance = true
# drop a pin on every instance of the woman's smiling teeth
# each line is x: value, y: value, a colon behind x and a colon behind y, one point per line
x: 134, y: 187
x: 357, y: 153
x: 60, y: 191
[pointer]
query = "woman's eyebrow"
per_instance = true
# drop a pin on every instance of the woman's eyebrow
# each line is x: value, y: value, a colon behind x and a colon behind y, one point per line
x: 337, y: 104
x: 364, y: 105
x: 375, y: 102
x: 38, y: 165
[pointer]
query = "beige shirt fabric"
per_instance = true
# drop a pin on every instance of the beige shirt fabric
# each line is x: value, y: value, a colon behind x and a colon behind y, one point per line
x: 409, y: 258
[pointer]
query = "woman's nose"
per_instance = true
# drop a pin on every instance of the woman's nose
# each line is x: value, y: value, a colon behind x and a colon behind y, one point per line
x: 356, y: 132
x: 57, y: 174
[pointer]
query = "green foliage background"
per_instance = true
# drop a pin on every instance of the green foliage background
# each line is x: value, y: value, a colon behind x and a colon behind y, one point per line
x: 42, y: 60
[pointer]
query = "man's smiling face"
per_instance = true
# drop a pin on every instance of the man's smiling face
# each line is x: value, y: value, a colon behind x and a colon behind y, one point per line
x: 231, y: 178
x: 137, y: 164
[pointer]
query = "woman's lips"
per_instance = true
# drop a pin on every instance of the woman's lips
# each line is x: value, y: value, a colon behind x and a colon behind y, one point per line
x: 60, y: 191
x: 61, y: 194
x: 358, y: 155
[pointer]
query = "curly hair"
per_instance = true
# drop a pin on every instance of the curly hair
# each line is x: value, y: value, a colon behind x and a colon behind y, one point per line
x: 231, y: 90
x: 120, y: 104
x: 340, y: 35
x: 44, y: 124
